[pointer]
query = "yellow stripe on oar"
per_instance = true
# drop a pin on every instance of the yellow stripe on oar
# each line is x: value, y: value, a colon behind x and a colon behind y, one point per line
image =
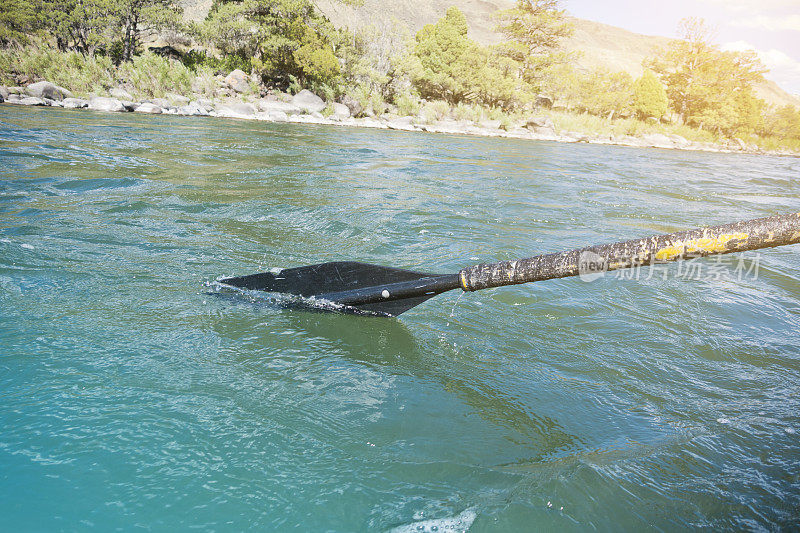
x: 708, y: 245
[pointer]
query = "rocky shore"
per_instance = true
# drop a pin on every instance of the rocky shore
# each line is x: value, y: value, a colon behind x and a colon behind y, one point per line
x: 306, y: 107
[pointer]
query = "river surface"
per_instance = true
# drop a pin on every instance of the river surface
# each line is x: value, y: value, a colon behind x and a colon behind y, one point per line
x: 132, y: 396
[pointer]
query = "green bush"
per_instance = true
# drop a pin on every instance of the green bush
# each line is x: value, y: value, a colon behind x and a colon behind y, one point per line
x: 649, y: 96
x: 407, y: 104
x: 71, y: 70
x: 154, y: 76
x: 434, y: 111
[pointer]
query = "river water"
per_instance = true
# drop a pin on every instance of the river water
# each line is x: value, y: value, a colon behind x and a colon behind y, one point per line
x: 133, y: 396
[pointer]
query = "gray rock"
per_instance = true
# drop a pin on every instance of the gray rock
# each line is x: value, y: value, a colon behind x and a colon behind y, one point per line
x: 278, y: 116
x: 2, y: 99
x: 340, y: 111
x: 120, y: 93
x: 148, y: 107
x: 543, y: 101
x: 268, y: 106
x: 205, y: 103
x: 352, y: 104
x: 16, y: 90
x: 45, y: 89
x: 129, y: 106
x: 177, y: 99
x: 238, y: 81
x: 536, y: 123
x: 657, y: 140
x: 74, y: 103
x: 4, y: 92
x: 401, y: 123
x: 160, y: 102
x: 237, y: 110
x: 308, y: 102
x: 32, y: 100
x: 101, y: 103
x: 491, y: 124
x: 678, y: 140
x: 193, y: 110
x: 13, y: 98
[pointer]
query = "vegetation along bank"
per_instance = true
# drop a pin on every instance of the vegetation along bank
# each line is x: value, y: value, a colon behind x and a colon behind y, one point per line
x: 282, y: 60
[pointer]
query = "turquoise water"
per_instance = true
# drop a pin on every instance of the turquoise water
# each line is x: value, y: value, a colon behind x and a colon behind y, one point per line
x: 132, y: 397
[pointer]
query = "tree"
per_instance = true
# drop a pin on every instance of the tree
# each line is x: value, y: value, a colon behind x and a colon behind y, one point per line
x: 534, y: 30
x: 707, y: 87
x: 783, y: 122
x: 17, y: 21
x: 81, y: 25
x: 649, y: 96
x: 137, y: 16
x: 446, y: 59
x: 607, y: 93
x: 283, y: 39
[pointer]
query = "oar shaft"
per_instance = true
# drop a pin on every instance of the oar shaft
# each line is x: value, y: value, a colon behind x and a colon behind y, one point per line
x: 737, y: 237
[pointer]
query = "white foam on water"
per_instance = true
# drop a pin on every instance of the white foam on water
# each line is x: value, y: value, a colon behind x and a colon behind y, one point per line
x: 27, y: 246
x: 790, y: 431
x: 450, y: 524
x: 723, y: 420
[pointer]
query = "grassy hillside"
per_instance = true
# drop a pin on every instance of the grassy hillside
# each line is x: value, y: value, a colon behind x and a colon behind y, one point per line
x: 599, y: 45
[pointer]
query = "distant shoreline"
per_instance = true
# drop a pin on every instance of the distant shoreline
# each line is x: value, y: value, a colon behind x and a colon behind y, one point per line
x: 241, y: 110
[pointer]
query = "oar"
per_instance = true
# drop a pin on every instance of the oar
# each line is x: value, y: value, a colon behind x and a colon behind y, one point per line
x: 388, y: 291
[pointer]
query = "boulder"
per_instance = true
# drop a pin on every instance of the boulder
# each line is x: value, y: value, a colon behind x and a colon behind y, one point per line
x: 177, y: 99
x: 352, y: 104
x: 278, y: 116
x: 237, y: 110
x: 308, y: 102
x: 74, y: 103
x: 491, y: 124
x: 269, y: 106
x: 238, y: 81
x: 2, y: 99
x: 120, y: 93
x: 543, y: 101
x: 193, y: 110
x: 45, y: 89
x: 13, y: 98
x: 340, y: 111
x: 4, y: 92
x: 540, y: 123
x: 129, y: 106
x: 101, y: 103
x: 32, y: 100
x: 148, y: 107
x: 16, y: 90
x: 163, y: 103
x: 657, y: 140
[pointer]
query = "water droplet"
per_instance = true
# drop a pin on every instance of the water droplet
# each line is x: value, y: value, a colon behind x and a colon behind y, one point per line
x: 385, y: 293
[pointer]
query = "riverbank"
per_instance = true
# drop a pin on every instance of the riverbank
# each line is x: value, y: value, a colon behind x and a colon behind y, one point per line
x: 307, y: 108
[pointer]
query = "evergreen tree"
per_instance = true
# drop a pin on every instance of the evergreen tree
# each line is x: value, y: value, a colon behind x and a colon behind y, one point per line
x: 534, y: 30
x: 649, y: 96
x: 17, y: 21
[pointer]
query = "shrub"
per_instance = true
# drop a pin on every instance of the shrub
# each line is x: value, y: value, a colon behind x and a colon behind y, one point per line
x: 71, y: 70
x: 154, y: 76
x: 407, y: 104
x: 436, y: 110
x: 649, y: 96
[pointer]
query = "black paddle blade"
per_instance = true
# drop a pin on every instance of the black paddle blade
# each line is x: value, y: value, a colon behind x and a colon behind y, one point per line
x: 360, y: 287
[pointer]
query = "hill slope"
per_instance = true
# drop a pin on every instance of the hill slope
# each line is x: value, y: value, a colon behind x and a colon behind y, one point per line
x: 599, y: 45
